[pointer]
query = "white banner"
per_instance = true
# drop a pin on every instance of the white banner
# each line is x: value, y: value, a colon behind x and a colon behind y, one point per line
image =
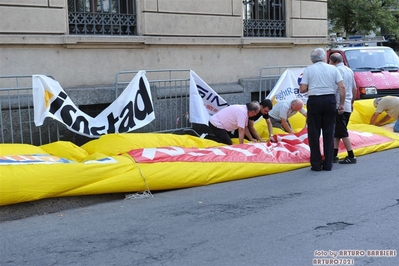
x: 287, y: 87
x: 204, y: 101
x: 133, y: 109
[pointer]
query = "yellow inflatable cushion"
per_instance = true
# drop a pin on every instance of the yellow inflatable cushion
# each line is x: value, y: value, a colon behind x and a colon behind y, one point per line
x: 65, y: 149
x: 363, y: 111
x: 19, y: 149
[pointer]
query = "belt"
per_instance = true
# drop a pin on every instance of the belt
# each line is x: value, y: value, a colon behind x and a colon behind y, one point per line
x: 321, y: 95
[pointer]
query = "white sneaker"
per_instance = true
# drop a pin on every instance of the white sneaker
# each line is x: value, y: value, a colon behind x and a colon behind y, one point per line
x: 203, y: 135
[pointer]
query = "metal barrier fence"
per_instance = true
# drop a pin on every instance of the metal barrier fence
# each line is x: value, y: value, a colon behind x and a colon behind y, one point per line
x: 268, y: 77
x: 170, y: 90
x: 16, y: 119
x: 170, y: 94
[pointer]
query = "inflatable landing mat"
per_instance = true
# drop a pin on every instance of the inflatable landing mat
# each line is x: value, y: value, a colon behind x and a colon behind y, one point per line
x: 135, y: 162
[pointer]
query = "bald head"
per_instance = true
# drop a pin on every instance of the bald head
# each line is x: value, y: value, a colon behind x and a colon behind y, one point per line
x: 253, y: 108
x: 376, y: 101
x: 296, y: 105
x: 336, y: 58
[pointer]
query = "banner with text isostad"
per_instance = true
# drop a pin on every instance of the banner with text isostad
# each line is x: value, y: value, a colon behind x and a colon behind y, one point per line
x: 133, y: 109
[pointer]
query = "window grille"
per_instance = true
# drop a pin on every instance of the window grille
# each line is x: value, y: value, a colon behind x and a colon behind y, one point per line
x: 102, y: 17
x: 264, y: 18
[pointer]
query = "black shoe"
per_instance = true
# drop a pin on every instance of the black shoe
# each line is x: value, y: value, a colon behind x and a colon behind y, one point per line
x: 326, y: 167
x: 315, y: 169
x: 348, y: 160
x: 335, y: 159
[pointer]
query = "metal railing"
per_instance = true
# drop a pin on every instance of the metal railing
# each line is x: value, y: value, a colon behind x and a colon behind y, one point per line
x: 102, y: 17
x: 268, y: 77
x: 170, y: 91
x: 264, y: 18
x: 17, y: 119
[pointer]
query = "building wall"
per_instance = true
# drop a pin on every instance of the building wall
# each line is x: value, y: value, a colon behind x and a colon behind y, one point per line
x: 33, y: 17
x: 202, y: 35
x: 192, y: 18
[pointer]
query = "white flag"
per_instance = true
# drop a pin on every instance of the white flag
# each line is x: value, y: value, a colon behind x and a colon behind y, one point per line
x: 133, y: 109
x: 287, y: 87
x: 204, y: 101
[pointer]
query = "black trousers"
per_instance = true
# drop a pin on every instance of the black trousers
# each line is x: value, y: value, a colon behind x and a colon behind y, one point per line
x: 321, y: 119
x: 219, y: 135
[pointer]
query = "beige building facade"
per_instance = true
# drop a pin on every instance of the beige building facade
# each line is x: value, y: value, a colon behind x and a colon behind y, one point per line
x: 203, y: 35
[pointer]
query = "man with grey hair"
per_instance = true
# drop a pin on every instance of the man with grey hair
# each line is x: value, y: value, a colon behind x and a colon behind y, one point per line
x: 320, y: 81
x: 389, y: 105
x: 231, y: 118
x: 342, y: 119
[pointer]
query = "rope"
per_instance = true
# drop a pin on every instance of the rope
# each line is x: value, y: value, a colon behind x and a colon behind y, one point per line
x: 142, y: 194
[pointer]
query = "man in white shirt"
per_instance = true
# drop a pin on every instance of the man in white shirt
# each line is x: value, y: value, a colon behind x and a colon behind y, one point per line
x: 342, y: 118
x: 320, y: 81
x: 283, y: 110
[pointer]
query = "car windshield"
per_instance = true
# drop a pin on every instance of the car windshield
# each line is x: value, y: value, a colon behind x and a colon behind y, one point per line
x: 372, y: 59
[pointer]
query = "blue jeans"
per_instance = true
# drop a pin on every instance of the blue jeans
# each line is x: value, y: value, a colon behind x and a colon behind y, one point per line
x: 396, y: 126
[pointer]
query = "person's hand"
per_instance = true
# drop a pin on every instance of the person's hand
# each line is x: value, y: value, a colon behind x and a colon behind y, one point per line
x: 340, y: 109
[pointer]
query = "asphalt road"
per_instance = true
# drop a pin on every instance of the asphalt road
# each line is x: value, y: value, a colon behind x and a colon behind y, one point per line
x: 294, y: 218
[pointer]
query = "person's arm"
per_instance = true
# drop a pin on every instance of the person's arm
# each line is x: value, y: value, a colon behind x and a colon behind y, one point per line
x: 354, y: 91
x: 241, y: 134
x: 248, y: 131
x: 253, y: 132
x: 373, y: 120
x: 286, y: 126
x: 303, y: 88
x: 270, y: 129
x: 383, y: 120
x: 342, y: 94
